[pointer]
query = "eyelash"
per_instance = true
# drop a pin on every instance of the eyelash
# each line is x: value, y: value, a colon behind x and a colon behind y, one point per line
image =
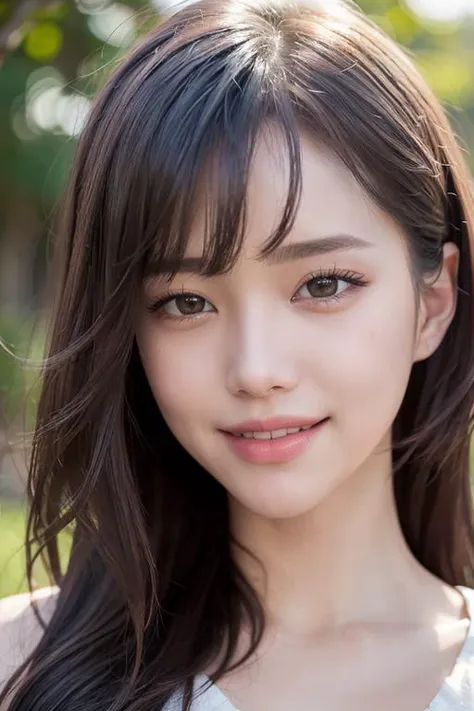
x: 351, y: 278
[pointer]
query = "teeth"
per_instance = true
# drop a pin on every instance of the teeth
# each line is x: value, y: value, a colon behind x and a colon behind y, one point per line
x: 281, y: 433
x: 274, y: 434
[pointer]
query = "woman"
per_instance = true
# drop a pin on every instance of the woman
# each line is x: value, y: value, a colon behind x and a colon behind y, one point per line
x: 256, y: 407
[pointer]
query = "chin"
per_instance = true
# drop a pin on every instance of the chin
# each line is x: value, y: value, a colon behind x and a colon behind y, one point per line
x: 279, y: 505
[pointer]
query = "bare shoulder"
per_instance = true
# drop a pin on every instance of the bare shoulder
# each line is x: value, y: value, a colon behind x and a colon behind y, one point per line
x: 20, y: 630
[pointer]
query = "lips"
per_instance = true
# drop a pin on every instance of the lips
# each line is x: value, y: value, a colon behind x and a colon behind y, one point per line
x: 272, y: 424
x: 272, y: 441
x: 273, y: 434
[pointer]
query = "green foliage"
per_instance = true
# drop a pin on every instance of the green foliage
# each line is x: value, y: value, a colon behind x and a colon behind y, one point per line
x: 54, y: 11
x: 12, y: 558
x: 12, y: 552
x: 406, y: 28
x: 442, y: 50
x: 450, y: 75
x: 21, y: 346
x: 10, y: 373
x: 44, y: 41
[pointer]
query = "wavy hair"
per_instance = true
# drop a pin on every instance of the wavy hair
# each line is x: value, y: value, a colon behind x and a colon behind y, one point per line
x: 151, y: 595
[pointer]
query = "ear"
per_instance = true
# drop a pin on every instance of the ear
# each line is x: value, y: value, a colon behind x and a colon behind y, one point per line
x: 437, y: 305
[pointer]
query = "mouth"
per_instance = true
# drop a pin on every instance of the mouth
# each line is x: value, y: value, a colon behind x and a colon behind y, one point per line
x: 272, y: 441
x: 272, y: 434
x: 273, y: 427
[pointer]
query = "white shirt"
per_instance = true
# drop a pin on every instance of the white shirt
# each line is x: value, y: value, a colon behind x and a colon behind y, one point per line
x: 456, y: 693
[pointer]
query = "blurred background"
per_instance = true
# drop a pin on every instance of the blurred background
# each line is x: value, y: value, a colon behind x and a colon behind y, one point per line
x: 54, y: 55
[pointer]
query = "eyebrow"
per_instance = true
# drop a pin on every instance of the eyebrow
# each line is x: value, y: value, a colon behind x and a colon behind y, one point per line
x: 284, y: 253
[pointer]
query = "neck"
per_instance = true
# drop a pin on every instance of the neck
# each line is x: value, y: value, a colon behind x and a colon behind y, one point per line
x: 345, y: 562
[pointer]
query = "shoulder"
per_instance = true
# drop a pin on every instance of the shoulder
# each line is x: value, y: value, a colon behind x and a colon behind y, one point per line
x: 468, y: 595
x: 20, y: 630
x: 457, y: 691
x: 206, y: 697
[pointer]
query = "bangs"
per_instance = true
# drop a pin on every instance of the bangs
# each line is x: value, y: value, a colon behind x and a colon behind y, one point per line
x: 210, y: 134
x: 189, y: 108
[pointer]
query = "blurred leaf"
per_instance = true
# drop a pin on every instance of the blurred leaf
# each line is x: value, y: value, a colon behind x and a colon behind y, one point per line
x: 404, y: 23
x: 13, y: 78
x: 44, y: 41
x: 451, y: 76
x: 15, y: 333
x: 384, y: 23
x: 12, y: 552
x: 10, y: 374
x: 92, y: 6
x: 375, y: 7
x: 3, y: 9
x: 57, y: 11
x: 41, y: 166
x: 445, y: 28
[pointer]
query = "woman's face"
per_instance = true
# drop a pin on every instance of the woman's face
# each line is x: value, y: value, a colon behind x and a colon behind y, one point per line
x: 321, y: 334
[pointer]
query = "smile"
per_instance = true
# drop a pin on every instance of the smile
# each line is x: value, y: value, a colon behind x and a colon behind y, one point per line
x: 270, y: 442
x: 273, y: 434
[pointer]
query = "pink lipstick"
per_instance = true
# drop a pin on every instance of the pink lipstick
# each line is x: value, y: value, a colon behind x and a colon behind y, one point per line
x: 274, y: 440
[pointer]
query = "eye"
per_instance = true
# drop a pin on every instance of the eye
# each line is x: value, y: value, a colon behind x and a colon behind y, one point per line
x: 330, y: 286
x: 181, y: 305
x: 322, y: 287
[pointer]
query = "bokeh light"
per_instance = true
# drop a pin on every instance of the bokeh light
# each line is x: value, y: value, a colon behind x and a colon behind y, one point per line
x: 114, y: 24
x: 50, y: 106
x: 442, y: 10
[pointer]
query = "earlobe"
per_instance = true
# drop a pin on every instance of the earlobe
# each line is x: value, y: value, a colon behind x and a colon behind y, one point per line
x: 438, y: 305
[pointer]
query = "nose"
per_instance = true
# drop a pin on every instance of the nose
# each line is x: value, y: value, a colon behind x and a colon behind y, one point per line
x: 262, y: 358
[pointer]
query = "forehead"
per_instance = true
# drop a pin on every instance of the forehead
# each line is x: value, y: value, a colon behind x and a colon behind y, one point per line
x: 332, y: 201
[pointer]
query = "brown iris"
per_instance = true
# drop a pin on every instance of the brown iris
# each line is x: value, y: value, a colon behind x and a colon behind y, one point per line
x: 322, y: 287
x: 189, y: 304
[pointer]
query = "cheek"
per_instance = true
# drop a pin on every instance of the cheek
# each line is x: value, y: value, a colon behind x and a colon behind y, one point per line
x: 180, y: 376
x: 371, y: 360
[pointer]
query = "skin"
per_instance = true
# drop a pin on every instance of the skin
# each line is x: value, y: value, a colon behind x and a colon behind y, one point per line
x: 340, y: 582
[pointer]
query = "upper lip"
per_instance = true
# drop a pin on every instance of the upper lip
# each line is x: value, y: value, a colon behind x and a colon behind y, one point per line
x: 272, y: 423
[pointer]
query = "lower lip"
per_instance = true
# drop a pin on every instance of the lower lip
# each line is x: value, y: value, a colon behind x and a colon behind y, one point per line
x: 273, y: 451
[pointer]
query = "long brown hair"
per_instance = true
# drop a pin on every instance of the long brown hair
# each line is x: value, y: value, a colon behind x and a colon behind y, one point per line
x: 151, y: 595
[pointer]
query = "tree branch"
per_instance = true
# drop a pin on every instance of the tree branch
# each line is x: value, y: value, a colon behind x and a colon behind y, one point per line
x: 10, y: 36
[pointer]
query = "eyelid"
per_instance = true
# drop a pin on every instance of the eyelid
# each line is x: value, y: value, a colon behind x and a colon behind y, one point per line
x: 168, y: 296
x: 351, y: 277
